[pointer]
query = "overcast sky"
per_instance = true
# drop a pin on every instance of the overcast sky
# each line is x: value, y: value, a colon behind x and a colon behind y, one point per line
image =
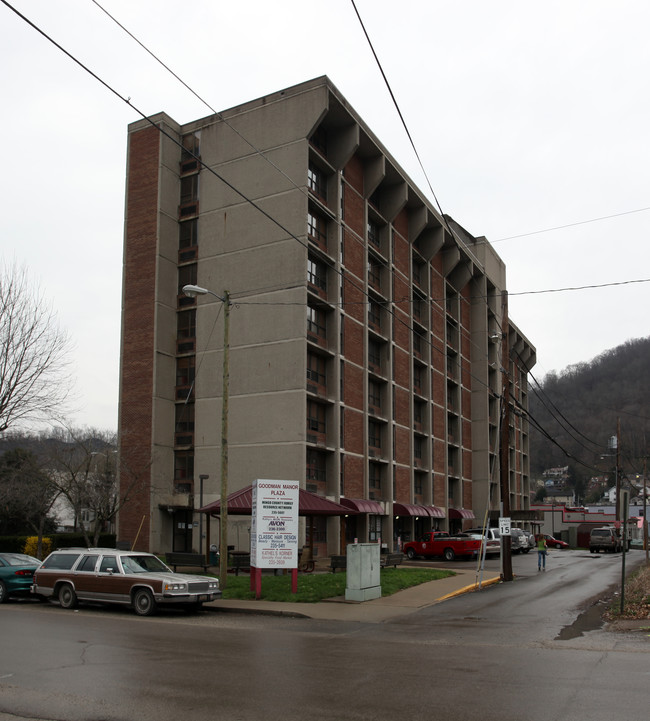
x: 526, y: 116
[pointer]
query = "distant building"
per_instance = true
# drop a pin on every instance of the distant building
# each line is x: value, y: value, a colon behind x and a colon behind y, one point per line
x: 365, y: 332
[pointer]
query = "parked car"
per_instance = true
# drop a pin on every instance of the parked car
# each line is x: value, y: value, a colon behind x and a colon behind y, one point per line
x: 554, y: 542
x: 492, y: 546
x: 530, y: 537
x: 106, y: 575
x: 519, y: 542
x: 16, y: 574
x: 439, y: 543
x: 604, y: 539
x: 493, y: 539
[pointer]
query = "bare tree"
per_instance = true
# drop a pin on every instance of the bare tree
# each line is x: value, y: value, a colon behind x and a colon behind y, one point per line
x: 27, y: 493
x: 86, y: 464
x: 33, y: 353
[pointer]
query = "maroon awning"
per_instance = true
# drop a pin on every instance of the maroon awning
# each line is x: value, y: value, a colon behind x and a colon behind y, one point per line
x: 309, y: 504
x: 461, y: 513
x: 409, y: 509
x: 436, y: 512
x: 362, y: 505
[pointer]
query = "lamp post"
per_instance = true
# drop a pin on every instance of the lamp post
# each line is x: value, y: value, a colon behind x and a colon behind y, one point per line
x: 202, y: 477
x: 192, y: 291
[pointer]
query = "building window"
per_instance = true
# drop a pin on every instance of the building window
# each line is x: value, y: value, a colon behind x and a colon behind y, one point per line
x: 374, y: 314
x: 317, y: 274
x: 374, y: 354
x: 316, y: 366
x: 186, y: 276
x: 374, y: 434
x: 374, y: 273
x: 189, y: 189
x: 319, y: 139
x: 190, y: 153
x: 185, y: 369
x: 188, y: 234
x: 316, y: 322
x: 374, y: 395
x: 417, y: 379
x: 183, y: 466
x: 316, y: 418
x: 374, y: 528
x: 418, y: 306
x: 316, y: 466
x: 190, y: 143
x: 317, y: 229
x: 185, y: 418
x: 418, y: 343
x: 316, y: 182
x: 417, y: 483
x: 186, y: 324
x: 418, y: 412
x: 373, y: 234
x: 374, y: 481
x: 417, y: 447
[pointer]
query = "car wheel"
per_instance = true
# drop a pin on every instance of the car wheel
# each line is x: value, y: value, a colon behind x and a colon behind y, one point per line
x: 449, y: 554
x: 143, y: 602
x: 410, y: 554
x: 3, y: 592
x: 526, y: 551
x: 67, y: 597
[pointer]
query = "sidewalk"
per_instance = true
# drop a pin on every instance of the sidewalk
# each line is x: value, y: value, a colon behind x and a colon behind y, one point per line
x: 378, y: 610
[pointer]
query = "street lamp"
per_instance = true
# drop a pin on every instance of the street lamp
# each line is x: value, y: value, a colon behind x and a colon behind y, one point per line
x: 202, y: 477
x: 192, y: 291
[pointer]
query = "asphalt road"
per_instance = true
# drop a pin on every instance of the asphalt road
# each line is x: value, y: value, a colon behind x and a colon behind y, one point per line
x: 533, y: 649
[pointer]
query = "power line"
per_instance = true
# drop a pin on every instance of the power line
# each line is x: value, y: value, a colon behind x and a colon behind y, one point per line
x: 568, y: 225
x: 581, y: 287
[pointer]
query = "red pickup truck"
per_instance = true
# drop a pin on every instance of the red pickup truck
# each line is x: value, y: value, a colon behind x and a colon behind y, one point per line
x: 439, y: 543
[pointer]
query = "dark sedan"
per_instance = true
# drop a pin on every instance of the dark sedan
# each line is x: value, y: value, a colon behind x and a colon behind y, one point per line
x: 555, y: 542
x: 16, y: 574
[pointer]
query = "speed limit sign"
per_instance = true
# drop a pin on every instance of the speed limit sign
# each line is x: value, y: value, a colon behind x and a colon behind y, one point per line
x: 504, y: 526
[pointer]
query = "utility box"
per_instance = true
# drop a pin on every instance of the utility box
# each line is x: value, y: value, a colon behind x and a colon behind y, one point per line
x: 363, y: 568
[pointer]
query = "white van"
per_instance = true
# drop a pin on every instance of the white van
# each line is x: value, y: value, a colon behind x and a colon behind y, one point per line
x: 492, y: 535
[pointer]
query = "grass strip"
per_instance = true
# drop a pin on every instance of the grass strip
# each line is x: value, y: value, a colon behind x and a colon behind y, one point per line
x: 315, y: 587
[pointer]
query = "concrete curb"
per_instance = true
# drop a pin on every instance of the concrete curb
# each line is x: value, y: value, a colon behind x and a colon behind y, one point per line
x: 470, y: 589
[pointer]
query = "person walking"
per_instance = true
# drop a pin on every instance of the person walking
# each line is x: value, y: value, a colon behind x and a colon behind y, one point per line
x: 541, y: 552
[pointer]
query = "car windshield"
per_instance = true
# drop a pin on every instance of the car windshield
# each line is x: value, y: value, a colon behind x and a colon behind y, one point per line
x: 143, y: 564
x: 19, y: 559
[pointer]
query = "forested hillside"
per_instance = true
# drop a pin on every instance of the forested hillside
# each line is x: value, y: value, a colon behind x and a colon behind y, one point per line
x: 579, y: 409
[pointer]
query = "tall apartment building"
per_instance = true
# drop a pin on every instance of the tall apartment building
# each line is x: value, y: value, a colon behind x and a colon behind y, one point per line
x: 365, y: 329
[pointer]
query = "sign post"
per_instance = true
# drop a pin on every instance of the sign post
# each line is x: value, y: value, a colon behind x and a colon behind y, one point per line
x: 274, y: 529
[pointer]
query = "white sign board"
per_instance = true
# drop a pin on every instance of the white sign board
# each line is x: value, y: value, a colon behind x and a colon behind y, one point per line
x: 274, y: 529
x: 504, y: 526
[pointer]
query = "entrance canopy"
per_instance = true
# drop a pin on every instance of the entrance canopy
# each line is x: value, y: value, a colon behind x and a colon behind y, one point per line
x: 309, y: 504
x: 461, y: 513
x: 361, y: 505
x: 409, y: 509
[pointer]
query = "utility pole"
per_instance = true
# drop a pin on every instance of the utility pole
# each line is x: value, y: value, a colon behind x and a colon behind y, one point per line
x: 618, y: 469
x: 223, y: 539
x: 504, y: 450
x: 645, y: 504
x: 192, y: 291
